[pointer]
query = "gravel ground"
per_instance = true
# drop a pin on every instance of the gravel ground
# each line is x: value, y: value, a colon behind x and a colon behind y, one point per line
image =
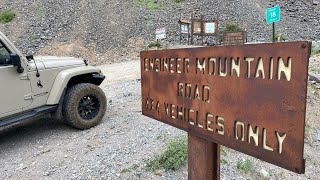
x: 120, y: 145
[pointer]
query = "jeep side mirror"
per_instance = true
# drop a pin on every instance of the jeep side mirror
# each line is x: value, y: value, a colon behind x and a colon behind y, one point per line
x: 15, y: 59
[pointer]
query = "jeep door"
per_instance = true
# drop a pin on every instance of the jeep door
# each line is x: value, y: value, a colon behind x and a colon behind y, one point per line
x: 15, y: 88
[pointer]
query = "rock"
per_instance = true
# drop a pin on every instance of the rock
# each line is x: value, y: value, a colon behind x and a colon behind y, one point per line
x: 158, y: 172
x: 264, y: 174
x: 317, y: 135
x: 314, y: 77
x: 127, y: 94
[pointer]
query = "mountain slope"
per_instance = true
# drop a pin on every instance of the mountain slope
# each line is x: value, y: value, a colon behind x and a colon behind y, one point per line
x: 111, y: 30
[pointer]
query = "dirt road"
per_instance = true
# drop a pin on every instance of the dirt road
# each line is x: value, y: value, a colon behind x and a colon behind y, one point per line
x: 120, y: 145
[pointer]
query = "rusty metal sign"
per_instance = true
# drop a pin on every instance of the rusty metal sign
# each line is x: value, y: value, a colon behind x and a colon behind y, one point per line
x: 251, y: 98
x: 234, y: 38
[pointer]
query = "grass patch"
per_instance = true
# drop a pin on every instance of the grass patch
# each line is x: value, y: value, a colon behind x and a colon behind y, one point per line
x: 7, y: 16
x: 314, y: 50
x: 174, y: 155
x: 40, y: 11
x: 125, y: 171
x: 130, y: 169
x: 159, y: 136
x: 223, y: 150
x: 35, y: 37
x: 315, y: 69
x: 223, y: 161
x: 281, y: 38
x: 307, y: 128
x: 151, y: 4
x: 245, y: 166
x: 154, y: 44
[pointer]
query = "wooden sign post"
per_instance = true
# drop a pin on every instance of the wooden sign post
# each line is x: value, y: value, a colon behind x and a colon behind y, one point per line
x: 184, y: 29
x: 251, y: 98
x: 201, y: 27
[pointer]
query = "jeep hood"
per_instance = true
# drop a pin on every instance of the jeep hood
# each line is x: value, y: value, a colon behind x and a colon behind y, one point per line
x: 50, y: 62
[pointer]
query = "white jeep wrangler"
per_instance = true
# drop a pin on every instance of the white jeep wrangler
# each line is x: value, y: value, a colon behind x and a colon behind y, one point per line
x: 65, y: 88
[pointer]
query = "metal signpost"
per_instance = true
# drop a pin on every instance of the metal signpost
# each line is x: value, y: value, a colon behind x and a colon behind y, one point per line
x: 251, y: 98
x: 272, y: 16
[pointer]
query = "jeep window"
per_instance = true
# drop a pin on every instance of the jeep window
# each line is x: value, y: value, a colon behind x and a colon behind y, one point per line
x: 4, y: 55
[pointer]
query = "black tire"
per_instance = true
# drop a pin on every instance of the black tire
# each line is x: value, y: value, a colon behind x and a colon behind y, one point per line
x: 84, y: 106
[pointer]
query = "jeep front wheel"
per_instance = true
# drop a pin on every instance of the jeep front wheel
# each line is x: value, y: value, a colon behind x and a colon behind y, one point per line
x: 84, y: 106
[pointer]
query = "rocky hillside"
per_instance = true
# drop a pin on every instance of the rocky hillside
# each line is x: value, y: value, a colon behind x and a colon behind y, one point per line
x: 111, y: 30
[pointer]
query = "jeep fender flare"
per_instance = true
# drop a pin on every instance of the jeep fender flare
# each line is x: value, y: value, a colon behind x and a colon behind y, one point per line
x: 63, y: 78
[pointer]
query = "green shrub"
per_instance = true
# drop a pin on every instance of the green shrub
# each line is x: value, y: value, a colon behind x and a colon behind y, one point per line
x: 223, y: 150
x: 151, y: 4
x: 154, y: 44
x: 223, y: 161
x: 41, y: 11
x: 179, y: 1
x: 281, y: 38
x: 232, y: 27
x: 175, y: 154
x: 245, y: 166
x: 7, y: 16
x: 35, y: 37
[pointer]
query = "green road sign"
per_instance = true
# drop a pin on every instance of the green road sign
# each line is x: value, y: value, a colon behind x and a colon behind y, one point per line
x: 273, y: 14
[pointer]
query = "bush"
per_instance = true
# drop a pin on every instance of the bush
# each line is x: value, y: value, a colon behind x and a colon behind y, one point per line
x: 232, y: 27
x: 151, y: 4
x: 175, y: 154
x: 281, y: 38
x: 245, y: 166
x: 223, y: 161
x: 7, y: 16
x: 41, y: 11
x: 179, y: 1
x: 154, y: 44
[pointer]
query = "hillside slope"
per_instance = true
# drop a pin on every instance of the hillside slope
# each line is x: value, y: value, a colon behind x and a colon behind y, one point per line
x: 111, y: 30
